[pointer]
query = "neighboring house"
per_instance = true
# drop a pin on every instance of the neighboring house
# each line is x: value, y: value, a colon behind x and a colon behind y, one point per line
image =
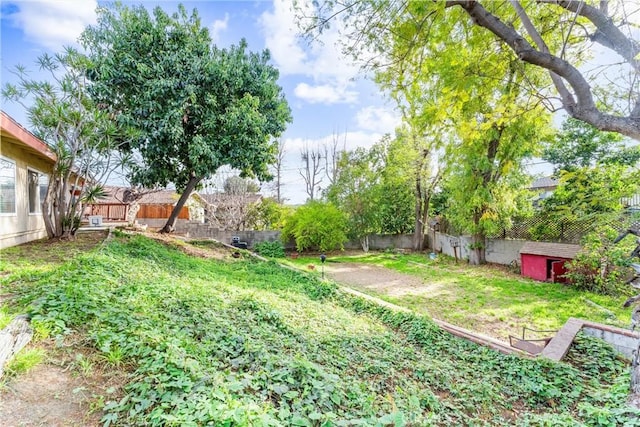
x: 545, y: 261
x: 156, y: 207
x: 25, y: 166
x: 544, y: 187
x: 229, y: 211
x: 112, y: 207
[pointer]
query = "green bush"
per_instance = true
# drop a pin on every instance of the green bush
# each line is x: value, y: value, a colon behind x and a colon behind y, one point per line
x: 316, y: 226
x: 270, y: 249
x: 601, y: 266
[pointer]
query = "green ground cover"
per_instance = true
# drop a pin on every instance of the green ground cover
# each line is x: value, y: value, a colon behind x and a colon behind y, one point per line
x: 488, y: 299
x: 238, y: 342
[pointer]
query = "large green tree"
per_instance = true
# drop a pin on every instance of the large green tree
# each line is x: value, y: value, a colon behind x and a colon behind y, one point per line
x: 485, y: 121
x: 356, y: 191
x: 578, y: 144
x: 197, y: 107
x: 373, y: 187
x: 82, y: 136
x: 554, y: 35
x: 586, y: 197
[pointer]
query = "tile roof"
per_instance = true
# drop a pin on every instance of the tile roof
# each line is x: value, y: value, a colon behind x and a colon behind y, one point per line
x: 544, y: 182
x: 559, y: 250
x: 221, y: 199
x: 160, y: 197
x: 115, y: 195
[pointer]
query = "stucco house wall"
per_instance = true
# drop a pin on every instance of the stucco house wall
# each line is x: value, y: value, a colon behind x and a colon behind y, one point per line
x: 27, y: 153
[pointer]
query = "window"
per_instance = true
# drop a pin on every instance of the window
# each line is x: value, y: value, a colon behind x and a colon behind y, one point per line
x: 7, y: 186
x: 37, y: 185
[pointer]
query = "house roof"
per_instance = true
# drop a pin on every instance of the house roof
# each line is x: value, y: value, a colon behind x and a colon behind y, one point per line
x: 221, y: 199
x: 544, y: 182
x: 12, y: 131
x: 558, y: 250
x: 160, y: 197
x: 114, y: 196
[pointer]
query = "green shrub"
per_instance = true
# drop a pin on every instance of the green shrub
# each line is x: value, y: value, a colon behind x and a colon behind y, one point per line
x: 601, y: 266
x: 316, y: 226
x: 270, y: 249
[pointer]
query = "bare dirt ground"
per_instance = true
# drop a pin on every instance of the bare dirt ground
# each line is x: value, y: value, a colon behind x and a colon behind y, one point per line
x: 377, y: 279
x: 46, y: 396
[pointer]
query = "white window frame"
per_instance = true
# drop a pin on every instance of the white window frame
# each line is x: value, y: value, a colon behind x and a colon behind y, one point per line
x: 39, y: 202
x: 15, y: 187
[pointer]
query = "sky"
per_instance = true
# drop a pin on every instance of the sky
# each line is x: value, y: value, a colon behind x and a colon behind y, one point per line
x: 327, y: 93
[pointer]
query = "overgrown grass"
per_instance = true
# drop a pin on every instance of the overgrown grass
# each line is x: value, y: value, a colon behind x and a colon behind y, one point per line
x: 489, y: 299
x: 241, y: 342
x: 24, y: 361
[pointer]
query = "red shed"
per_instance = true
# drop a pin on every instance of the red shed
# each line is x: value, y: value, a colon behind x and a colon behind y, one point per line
x: 545, y: 261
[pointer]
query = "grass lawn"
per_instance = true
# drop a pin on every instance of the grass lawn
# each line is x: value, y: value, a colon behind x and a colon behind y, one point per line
x: 239, y: 342
x: 488, y: 299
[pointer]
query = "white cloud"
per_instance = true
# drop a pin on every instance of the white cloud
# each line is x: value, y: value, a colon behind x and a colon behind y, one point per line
x: 332, y: 74
x: 218, y: 26
x: 377, y: 119
x: 325, y: 94
x: 54, y: 24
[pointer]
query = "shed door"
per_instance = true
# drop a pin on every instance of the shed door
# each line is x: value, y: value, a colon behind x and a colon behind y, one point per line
x: 557, y: 271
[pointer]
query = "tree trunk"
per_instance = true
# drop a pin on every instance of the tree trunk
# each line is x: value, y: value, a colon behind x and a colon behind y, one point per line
x: 13, y: 338
x: 132, y: 212
x: 418, y: 233
x: 477, y: 255
x: 191, y: 185
x: 364, y: 242
x: 47, y: 214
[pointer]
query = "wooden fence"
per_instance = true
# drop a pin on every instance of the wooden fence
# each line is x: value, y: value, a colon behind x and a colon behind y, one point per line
x: 160, y: 212
x: 115, y: 212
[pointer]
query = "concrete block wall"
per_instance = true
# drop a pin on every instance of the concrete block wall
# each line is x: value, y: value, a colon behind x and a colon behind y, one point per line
x: 160, y: 222
x: 198, y: 230
x: 444, y: 243
x: 623, y: 340
x: 499, y: 251
x: 503, y: 251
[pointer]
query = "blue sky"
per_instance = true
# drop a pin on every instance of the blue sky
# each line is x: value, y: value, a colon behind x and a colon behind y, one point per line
x: 327, y: 92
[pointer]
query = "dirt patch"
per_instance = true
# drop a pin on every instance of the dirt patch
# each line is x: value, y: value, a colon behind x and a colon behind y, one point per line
x: 378, y: 279
x: 67, y: 390
x: 196, y: 248
x: 46, y: 396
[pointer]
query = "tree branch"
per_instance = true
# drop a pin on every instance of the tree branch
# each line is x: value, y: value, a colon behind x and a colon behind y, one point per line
x: 567, y: 97
x: 585, y: 108
x: 607, y: 34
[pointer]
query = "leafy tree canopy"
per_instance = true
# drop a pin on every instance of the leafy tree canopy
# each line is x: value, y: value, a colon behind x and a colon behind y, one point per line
x: 552, y: 35
x: 579, y: 144
x: 196, y: 107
